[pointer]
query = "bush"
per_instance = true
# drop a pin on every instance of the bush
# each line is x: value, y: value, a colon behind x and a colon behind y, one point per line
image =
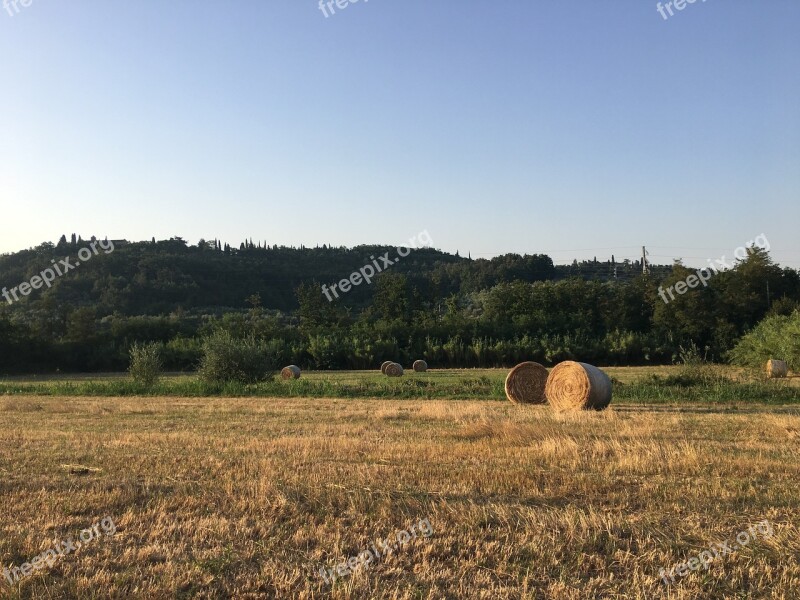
x: 777, y: 336
x: 145, y: 363
x: 227, y: 358
x: 695, y: 370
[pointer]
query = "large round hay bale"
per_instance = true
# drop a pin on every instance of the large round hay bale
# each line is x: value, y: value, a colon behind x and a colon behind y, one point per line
x: 290, y: 372
x: 420, y: 366
x: 394, y: 370
x: 577, y: 386
x: 777, y: 368
x: 525, y: 383
x: 385, y: 364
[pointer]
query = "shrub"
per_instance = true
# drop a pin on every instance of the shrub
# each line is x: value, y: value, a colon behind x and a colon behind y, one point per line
x: 145, y: 363
x: 695, y: 369
x: 227, y: 358
x: 777, y: 336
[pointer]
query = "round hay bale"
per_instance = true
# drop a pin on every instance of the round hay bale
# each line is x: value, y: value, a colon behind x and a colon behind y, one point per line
x: 385, y: 364
x: 777, y: 368
x: 525, y: 383
x: 577, y: 386
x: 420, y: 366
x: 290, y: 372
x: 394, y: 370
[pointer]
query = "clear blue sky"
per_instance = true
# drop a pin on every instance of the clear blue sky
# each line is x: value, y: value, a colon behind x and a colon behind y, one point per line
x: 574, y: 128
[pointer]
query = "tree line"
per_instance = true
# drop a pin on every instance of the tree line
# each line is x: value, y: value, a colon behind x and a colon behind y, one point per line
x: 451, y: 310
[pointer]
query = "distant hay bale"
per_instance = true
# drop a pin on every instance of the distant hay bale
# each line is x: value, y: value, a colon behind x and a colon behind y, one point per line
x: 777, y: 368
x: 394, y: 370
x: 525, y: 383
x: 578, y: 386
x: 420, y: 366
x: 290, y: 372
x: 385, y: 364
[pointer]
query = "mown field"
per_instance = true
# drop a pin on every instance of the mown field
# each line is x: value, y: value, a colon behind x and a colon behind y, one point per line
x: 248, y: 497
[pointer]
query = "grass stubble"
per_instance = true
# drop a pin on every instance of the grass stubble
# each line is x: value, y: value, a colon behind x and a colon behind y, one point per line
x: 249, y: 497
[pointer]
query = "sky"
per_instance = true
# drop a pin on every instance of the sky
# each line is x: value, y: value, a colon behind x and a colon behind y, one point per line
x: 573, y: 128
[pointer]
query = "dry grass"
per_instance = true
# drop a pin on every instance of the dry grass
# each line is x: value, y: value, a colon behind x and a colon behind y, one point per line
x: 247, y: 498
x: 393, y: 370
x: 577, y: 386
x: 290, y: 372
x: 525, y: 383
x: 777, y: 368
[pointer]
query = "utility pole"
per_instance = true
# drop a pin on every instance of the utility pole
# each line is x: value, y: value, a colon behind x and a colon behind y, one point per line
x: 645, y: 269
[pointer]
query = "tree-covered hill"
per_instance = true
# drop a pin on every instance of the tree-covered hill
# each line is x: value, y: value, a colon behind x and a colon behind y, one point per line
x: 159, y: 277
x: 452, y: 310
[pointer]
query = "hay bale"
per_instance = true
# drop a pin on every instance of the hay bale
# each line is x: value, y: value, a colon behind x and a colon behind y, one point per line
x: 394, y: 370
x: 290, y: 372
x: 525, y: 383
x: 385, y: 364
x: 577, y: 386
x: 420, y: 366
x: 777, y: 368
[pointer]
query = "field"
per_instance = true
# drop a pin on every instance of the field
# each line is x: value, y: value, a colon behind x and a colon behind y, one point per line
x: 249, y: 497
x: 637, y: 385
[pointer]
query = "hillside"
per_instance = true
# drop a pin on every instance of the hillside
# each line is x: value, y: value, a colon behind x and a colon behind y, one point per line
x: 452, y: 310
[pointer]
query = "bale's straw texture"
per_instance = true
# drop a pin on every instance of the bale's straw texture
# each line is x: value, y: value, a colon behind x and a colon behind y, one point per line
x: 420, y: 366
x: 525, y: 383
x: 394, y: 370
x: 577, y: 386
x: 777, y: 369
x: 290, y: 372
x: 384, y: 365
